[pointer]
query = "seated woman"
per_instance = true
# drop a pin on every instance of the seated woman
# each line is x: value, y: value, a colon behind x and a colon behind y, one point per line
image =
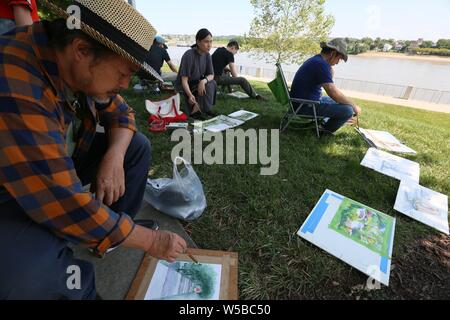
x: 196, y: 76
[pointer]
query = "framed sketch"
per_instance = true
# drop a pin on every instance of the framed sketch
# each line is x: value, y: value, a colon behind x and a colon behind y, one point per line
x: 212, y: 276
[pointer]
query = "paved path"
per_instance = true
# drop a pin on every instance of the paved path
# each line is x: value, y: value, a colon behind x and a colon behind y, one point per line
x: 371, y: 97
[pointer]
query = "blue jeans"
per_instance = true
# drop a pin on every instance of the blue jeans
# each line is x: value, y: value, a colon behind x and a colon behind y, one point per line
x: 6, y: 25
x: 337, y: 113
x: 34, y: 262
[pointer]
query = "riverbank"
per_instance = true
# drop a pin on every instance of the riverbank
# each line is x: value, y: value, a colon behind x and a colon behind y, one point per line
x: 383, y: 99
x: 404, y: 56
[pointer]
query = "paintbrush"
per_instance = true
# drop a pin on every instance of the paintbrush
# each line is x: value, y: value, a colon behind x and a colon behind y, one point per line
x: 192, y: 257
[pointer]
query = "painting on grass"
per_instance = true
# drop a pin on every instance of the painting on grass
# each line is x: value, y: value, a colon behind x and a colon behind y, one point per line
x: 391, y: 165
x: 424, y: 205
x: 185, y: 281
x: 364, y: 225
x: 384, y: 140
x: 353, y: 232
x: 243, y: 115
x: 218, y: 124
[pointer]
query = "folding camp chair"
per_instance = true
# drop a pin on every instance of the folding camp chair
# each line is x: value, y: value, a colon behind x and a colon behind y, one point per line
x: 280, y: 90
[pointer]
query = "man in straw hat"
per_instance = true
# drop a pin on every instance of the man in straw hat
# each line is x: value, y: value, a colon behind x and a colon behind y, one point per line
x: 317, y: 73
x: 56, y: 85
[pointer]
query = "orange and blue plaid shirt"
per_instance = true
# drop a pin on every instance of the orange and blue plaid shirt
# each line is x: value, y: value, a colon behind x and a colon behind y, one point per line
x: 35, y: 167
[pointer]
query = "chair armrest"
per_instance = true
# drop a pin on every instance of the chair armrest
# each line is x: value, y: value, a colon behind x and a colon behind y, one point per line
x: 304, y: 101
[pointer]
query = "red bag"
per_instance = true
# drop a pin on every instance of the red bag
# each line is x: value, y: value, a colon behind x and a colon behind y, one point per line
x: 157, y: 126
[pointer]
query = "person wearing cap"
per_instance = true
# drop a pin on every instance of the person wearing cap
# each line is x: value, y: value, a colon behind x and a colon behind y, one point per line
x: 17, y: 13
x: 56, y: 85
x: 223, y: 58
x: 156, y: 57
x: 317, y: 73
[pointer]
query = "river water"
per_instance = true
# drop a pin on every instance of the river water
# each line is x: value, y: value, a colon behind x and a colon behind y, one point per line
x: 420, y: 74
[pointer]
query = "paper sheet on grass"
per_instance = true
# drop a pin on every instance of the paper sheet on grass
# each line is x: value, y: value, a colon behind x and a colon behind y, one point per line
x: 185, y: 281
x: 424, y: 205
x: 177, y: 125
x: 358, y: 235
x: 391, y: 165
x: 384, y: 140
x: 239, y: 95
x: 218, y: 124
x: 243, y: 115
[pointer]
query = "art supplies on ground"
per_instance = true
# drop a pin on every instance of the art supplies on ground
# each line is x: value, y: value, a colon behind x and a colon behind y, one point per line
x: 391, y: 165
x: 218, y: 124
x: 177, y: 125
x: 243, y: 115
x: 239, y: 95
x: 424, y: 205
x: 358, y: 235
x: 384, y: 140
x: 196, y: 275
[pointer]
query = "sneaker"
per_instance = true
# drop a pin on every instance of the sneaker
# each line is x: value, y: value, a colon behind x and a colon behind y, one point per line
x: 197, y: 116
x: 326, y: 132
x: 260, y: 98
x: 211, y: 114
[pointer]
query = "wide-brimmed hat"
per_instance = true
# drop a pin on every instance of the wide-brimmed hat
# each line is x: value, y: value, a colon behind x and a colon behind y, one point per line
x: 116, y: 25
x: 337, y: 44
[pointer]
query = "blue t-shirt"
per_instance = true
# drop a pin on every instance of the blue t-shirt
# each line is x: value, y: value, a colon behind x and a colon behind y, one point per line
x: 309, y: 79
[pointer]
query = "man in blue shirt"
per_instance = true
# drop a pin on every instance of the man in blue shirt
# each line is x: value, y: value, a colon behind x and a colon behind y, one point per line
x: 317, y: 73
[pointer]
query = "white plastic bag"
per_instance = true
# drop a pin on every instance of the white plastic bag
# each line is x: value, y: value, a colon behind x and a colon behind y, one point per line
x: 181, y: 197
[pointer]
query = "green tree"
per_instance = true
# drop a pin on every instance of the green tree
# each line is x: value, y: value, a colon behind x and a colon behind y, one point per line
x: 45, y: 14
x: 427, y: 44
x: 443, y: 44
x: 287, y: 30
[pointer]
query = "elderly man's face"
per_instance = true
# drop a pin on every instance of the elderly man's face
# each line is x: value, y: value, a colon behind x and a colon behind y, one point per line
x: 101, y: 77
x: 105, y: 77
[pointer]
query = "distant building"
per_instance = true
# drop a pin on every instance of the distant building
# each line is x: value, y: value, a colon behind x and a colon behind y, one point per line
x: 399, y: 45
x: 387, y: 47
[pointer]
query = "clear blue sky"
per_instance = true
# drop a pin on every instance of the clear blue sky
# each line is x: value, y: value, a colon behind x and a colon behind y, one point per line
x: 398, y: 19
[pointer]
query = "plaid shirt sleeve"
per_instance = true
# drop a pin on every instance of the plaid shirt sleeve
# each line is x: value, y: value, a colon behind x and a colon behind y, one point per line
x: 117, y: 115
x: 37, y: 172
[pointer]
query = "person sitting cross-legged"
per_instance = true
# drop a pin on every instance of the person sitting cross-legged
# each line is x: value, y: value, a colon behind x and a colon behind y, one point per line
x: 317, y: 73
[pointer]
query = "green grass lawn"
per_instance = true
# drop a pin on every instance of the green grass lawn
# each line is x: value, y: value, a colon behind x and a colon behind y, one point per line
x: 258, y: 216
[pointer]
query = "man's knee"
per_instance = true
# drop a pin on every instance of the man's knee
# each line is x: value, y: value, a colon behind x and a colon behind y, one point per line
x: 140, y: 145
x: 242, y: 80
x: 347, y: 111
x: 211, y: 84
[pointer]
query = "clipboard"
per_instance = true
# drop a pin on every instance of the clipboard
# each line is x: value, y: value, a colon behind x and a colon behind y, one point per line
x: 228, y: 281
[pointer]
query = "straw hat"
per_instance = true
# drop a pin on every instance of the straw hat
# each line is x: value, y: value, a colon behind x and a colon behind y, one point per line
x: 116, y: 25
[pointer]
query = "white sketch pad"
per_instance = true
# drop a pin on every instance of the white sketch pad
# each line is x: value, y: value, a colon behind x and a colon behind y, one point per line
x: 424, y: 205
x: 316, y: 230
x: 173, y: 279
x: 391, y: 165
x: 243, y: 115
x: 385, y: 140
